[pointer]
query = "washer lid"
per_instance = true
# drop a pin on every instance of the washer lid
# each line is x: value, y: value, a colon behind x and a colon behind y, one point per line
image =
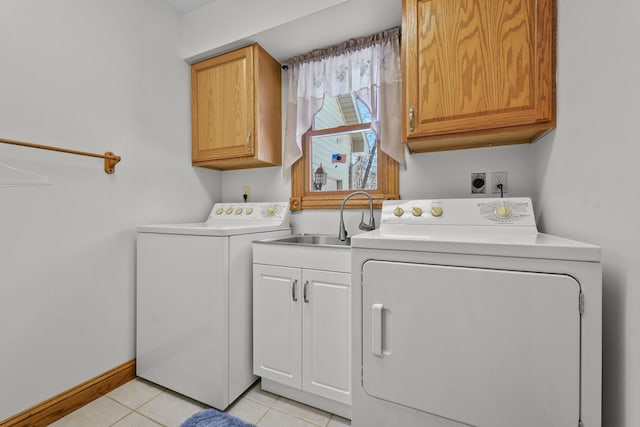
x: 208, y: 229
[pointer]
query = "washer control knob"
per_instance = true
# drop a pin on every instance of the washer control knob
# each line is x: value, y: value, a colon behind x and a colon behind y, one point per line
x: 238, y: 211
x: 229, y: 211
x: 271, y: 211
x: 503, y: 211
x: 416, y: 211
x: 219, y: 211
x: 436, y: 211
x: 398, y: 211
x: 248, y: 211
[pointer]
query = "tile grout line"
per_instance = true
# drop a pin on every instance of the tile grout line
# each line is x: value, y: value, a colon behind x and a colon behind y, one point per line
x: 299, y: 418
x: 265, y: 412
x: 149, y: 418
x: 147, y: 401
x: 121, y: 404
x: 277, y: 398
x: 138, y: 407
x: 260, y: 403
x: 253, y: 400
x: 130, y: 407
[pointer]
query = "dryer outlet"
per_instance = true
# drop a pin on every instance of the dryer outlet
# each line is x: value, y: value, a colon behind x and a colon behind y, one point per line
x: 478, y: 182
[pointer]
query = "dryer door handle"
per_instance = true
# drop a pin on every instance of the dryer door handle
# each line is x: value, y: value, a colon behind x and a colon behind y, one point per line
x: 376, y: 329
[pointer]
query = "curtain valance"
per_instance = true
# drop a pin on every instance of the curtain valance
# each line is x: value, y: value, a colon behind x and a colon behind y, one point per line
x: 368, y: 67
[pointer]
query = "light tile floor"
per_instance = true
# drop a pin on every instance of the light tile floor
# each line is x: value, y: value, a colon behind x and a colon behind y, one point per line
x: 139, y: 403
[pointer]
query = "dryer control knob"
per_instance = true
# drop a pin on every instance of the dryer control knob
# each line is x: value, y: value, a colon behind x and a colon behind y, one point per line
x: 436, y: 211
x: 248, y: 211
x: 271, y: 211
x: 398, y: 211
x: 503, y: 211
x: 229, y: 211
x: 238, y: 211
x: 219, y: 211
x: 416, y: 211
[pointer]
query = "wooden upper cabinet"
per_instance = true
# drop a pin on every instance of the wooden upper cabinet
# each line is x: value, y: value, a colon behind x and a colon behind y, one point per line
x: 477, y: 72
x: 237, y: 110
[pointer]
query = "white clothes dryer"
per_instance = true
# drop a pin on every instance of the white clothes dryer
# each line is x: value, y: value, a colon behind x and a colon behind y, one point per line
x: 465, y: 315
x: 194, y: 301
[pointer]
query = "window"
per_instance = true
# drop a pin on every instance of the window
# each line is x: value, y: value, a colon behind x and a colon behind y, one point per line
x: 342, y: 147
x: 342, y: 127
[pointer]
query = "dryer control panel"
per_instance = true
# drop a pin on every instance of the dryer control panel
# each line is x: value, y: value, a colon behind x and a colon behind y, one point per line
x: 460, y: 212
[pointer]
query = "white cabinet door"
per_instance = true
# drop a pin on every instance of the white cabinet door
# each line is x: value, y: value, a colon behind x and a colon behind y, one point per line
x: 482, y: 347
x: 277, y: 305
x: 326, y: 338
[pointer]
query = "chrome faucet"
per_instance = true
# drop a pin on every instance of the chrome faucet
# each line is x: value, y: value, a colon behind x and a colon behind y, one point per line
x: 342, y: 233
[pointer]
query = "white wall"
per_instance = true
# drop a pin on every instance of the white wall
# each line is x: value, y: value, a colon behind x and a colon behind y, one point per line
x: 285, y: 28
x: 586, y: 184
x: 223, y: 22
x: 91, y: 75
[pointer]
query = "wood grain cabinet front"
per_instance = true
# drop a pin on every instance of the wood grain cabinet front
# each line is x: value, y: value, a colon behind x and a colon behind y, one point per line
x: 237, y: 110
x: 477, y: 72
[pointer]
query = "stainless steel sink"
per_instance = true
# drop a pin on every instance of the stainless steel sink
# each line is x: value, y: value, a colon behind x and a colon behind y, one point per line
x: 311, y: 240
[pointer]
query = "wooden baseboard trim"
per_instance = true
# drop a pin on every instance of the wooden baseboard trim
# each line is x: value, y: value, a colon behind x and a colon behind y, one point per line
x: 58, y: 406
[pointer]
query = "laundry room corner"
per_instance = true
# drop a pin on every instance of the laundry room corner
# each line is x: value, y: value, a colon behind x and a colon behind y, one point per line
x: 95, y: 77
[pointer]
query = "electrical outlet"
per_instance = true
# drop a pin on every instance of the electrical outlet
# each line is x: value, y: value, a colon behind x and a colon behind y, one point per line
x: 498, y: 178
x: 246, y: 191
x: 478, y: 182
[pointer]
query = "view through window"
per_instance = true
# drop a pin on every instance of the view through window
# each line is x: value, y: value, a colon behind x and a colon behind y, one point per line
x: 343, y: 151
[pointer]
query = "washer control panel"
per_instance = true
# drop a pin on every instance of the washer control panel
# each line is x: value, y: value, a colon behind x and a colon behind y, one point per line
x: 471, y: 212
x: 262, y: 211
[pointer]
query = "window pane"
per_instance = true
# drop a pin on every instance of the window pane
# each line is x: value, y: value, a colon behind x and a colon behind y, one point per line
x: 349, y: 160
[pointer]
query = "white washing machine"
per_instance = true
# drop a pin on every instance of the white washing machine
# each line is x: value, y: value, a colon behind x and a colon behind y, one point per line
x: 194, y: 301
x: 465, y: 315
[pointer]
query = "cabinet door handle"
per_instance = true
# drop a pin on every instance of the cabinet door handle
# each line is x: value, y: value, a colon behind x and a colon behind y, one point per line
x: 376, y: 329
x: 247, y: 144
x: 411, y: 119
x: 293, y: 290
x: 304, y: 291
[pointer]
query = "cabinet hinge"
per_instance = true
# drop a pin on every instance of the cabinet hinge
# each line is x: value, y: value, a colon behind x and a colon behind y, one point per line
x: 411, y: 120
x: 581, y: 303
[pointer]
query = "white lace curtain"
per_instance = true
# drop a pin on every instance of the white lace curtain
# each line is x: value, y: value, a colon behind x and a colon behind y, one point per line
x: 368, y: 67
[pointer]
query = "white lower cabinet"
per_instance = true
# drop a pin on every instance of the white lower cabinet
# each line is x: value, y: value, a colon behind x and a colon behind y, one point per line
x: 277, y: 324
x: 301, y: 329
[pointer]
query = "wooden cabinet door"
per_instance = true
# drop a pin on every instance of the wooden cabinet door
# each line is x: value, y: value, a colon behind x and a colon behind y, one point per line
x: 223, y: 106
x: 478, y: 65
x: 326, y: 338
x: 277, y: 323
